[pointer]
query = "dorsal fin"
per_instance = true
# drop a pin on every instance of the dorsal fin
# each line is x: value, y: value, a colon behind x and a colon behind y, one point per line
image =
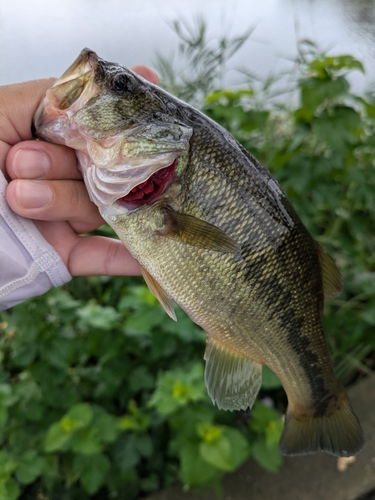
x: 332, y: 279
x: 232, y: 381
x: 159, y: 293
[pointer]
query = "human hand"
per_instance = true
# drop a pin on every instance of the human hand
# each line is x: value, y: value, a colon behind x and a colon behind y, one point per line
x: 46, y: 186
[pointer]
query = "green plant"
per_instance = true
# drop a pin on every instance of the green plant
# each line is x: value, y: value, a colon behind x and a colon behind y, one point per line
x: 93, y: 398
x: 322, y: 152
x: 198, y: 65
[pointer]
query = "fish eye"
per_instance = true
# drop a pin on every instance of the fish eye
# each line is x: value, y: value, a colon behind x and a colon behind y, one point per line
x: 122, y: 83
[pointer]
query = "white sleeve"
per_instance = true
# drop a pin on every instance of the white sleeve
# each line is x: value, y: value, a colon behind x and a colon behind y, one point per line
x: 29, y: 265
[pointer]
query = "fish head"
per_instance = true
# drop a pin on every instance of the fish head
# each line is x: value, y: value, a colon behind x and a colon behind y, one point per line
x: 127, y: 132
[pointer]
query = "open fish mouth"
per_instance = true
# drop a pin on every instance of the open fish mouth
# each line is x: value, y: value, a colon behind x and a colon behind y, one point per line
x: 132, y: 182
x: 125, y: 161
x: 68, y: 94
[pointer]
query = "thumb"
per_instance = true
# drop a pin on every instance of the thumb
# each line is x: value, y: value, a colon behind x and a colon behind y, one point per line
x: 18, y: 103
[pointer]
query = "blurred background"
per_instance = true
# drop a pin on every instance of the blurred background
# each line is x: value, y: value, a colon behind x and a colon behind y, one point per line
x: 41, y: 38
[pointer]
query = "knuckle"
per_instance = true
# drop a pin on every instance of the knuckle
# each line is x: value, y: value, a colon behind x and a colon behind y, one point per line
x: 111, y: 257
x: 78, y: 198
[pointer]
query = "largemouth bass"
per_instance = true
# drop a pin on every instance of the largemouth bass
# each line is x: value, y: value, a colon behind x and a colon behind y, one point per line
x: 214, y: 232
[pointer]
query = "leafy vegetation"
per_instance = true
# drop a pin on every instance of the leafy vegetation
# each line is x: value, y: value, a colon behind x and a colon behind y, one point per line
x: 197, y: 67
x: 322, y: 152
x: 102, y: 395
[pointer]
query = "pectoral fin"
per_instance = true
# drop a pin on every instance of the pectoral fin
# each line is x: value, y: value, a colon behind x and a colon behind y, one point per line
x: 159, y: 293
x: 193, y: 231
x: 232, y: 381
x: 332, y: 280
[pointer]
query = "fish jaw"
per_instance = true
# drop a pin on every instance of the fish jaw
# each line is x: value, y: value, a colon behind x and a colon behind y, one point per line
x: 75, y: 87
x: 122, y: 158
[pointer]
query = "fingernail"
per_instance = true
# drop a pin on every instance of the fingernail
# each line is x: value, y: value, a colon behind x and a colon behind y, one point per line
x: 33, y: 194
x: 30, y: 163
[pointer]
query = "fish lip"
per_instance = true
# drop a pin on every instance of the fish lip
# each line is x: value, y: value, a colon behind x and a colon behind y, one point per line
x: 86, y: 60
x: 85, y: 63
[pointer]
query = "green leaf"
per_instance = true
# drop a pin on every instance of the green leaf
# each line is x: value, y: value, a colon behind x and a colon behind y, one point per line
x: 145, y: 320
x: 217, y: 453
x: 177, y: 388
x: 106, y: 426
x: 223, y: 447
x: 137, y: 420
x: 81, y: 413
x: 273, y: 432
x: 337, y: 126
x: 369, y: 316
x: 141, y: 378
x: 267, y: 456
x: 208, y: 432
x: 95, y: 316
x: 32, y: 465
x: 261, y: 416
x: 126, y: 452
x: 93, y: 470
x: 254, y: 120
x: 194, y: 469
x: 3, y: 415
x: 86, y: 441
x: 239, y: 446
x: 269, y: 379
x: 57, y: 438
x: 335, y: 63
x: 144, y: 445
x: 25, y: 355
x: 11, y: 490
x: 228, y: 95
x: 7, y: 463
x: 315, y: 91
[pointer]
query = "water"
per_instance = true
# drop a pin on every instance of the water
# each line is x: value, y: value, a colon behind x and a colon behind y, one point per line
x: 41, y: 38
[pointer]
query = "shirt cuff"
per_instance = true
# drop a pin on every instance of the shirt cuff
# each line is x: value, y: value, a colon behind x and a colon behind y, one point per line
x: 29, y: 265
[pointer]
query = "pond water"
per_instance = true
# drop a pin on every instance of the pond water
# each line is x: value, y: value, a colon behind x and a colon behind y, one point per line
x: 42, y: 37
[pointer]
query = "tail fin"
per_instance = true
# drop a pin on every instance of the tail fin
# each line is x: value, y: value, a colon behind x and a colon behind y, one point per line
x: 338, y: 433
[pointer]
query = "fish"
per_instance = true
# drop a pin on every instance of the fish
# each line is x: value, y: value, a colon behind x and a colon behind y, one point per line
x: 214, y: 233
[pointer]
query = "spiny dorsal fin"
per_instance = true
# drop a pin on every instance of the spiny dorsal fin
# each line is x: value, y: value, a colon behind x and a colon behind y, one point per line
x: 159, y: 293
x: 196, y: 232
x: 232, y: 381
x: 332, y: 279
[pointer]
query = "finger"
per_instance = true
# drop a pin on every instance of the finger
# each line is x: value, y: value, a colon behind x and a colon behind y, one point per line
x: 4, y: 150
x: 18, y: 117
x: 42, y: 160
x: 54, y: 201
x: 146, y: 73
x: 97, y: 255
x: 89, y: 255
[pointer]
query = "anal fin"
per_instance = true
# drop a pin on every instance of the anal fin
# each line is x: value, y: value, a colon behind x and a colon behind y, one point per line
x: 159, y: 293
x: 232, y: 380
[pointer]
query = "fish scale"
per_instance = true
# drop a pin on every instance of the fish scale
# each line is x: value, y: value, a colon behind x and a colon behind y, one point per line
x: 222, y: 240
